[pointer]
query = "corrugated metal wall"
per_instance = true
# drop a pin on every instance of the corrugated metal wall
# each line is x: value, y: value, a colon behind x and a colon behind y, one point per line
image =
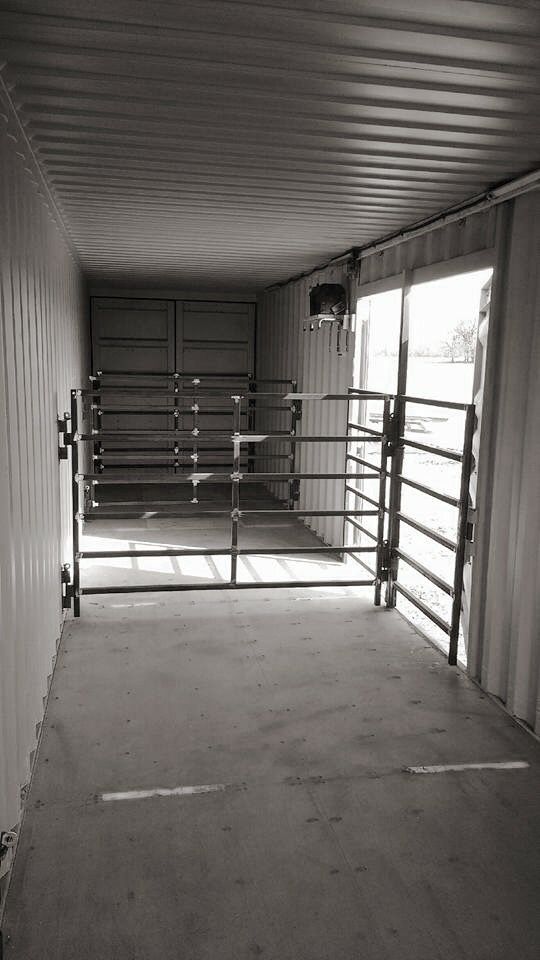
x: 458, y: 239
x: 285, y: 350
x: 42, y: 355
x: 504, y: 650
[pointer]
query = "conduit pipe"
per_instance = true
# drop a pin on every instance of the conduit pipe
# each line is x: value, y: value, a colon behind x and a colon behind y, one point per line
x: 477, y: 204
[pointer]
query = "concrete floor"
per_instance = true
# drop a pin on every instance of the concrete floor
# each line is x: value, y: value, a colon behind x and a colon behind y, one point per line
x: 306, y: 705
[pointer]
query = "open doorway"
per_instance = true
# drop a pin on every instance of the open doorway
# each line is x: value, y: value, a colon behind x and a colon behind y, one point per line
x: 426, y: 340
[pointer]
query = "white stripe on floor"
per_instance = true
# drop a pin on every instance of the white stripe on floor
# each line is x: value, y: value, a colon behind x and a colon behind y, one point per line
x: 164, y: 792
x: 449, y: 767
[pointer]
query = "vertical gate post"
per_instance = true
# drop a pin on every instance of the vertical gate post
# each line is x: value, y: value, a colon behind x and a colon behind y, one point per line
x: 292, y: 455
x: 382, y: 545
x: 97, y: 421
x: 397, y: 420
x: 195, y: 407
x: 75, y: 501
x: 462, y: 532
x: 344, y: 530
x: 252, y: 417
x: 176, y: 423
x: 235, y: 489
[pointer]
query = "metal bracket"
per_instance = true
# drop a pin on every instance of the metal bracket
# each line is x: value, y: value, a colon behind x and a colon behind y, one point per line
x: 67, y: 587
x: 387, y: 561
x: 65, y: 438
x: 393, y: 442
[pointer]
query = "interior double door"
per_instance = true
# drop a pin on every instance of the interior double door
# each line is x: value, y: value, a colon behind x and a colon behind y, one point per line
x: 134, y: 341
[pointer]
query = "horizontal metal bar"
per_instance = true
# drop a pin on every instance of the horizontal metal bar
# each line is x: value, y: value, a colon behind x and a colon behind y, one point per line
x: 156, y: 393
x: 293, y: 514
x: 362, y: 529
x: 165, y: 552
x: 284, y: 551
x: 100, y: 514
x: 154, y: 411
x: 175, y: 375
x: 149, y: 508
x: 272, y: 380
x: 427, y: 611
x: 184, y: 451
x: 314, y: 513
x: 179, y: 463
x: 366, y: 566
x: 172, y: 411
x: 438, y: 537
x: 170, y: 459
x: 359, y: 426
x: 363, y: 496
x: 453, y: 501
x: 290, y: 438
x: 419, y: 567
x: 438, y: 451
x: 186, y: 435
x: 436, y: 403
x: 116, y: 460
x: 221, y: 477
x: 355, y: 393
x: 331, y: 396
x: 163, y: 479
x: 219, y: 552
x: 183, y: 587
x: 187, y: 411
x: 310, y: 476
x: 365, y: 463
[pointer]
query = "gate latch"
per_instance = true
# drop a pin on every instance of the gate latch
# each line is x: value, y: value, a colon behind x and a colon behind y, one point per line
x: 64, y: 436
x: 386, y: 561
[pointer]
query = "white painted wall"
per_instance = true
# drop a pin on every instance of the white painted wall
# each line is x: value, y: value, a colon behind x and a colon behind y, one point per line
x: 42, y: 355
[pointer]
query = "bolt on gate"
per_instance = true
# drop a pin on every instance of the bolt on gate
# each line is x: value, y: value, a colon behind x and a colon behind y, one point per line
x: 180, y: 450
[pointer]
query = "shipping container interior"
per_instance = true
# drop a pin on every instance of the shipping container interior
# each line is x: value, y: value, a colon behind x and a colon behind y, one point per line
x: 269, y: 495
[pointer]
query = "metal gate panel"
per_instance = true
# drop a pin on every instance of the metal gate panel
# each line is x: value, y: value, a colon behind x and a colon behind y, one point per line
x: 239, y: 438
x: 87, y: 483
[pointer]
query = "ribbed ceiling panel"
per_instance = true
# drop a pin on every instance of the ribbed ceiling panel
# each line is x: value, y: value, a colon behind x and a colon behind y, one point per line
x: 232, y: 144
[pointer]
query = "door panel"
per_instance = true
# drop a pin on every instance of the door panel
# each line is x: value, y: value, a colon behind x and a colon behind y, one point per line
x: 199, y: 338
x: 216, y: 340
x: 133, y: 336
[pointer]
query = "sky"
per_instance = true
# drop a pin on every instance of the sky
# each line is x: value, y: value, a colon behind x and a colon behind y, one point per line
x: 435, y: 309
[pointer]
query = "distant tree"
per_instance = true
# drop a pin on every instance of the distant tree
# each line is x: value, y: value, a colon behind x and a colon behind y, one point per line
x: 450, y: 347
x: 461, y: 342
x: 467, y: 331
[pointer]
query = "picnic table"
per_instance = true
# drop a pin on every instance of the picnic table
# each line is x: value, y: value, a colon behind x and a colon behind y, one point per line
x: 416, y: 424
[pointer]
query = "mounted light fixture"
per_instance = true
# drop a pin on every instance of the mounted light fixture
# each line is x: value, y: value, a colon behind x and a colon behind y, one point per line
x: 328, y: 305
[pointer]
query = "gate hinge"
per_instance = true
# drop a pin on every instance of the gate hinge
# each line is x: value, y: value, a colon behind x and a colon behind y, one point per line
x: 472, y: 516
x: 67, y: 586
x: 393, y: 434
x: 65, y: 438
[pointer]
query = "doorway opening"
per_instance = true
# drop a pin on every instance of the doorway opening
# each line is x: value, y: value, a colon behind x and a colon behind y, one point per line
x: 426, y: 340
